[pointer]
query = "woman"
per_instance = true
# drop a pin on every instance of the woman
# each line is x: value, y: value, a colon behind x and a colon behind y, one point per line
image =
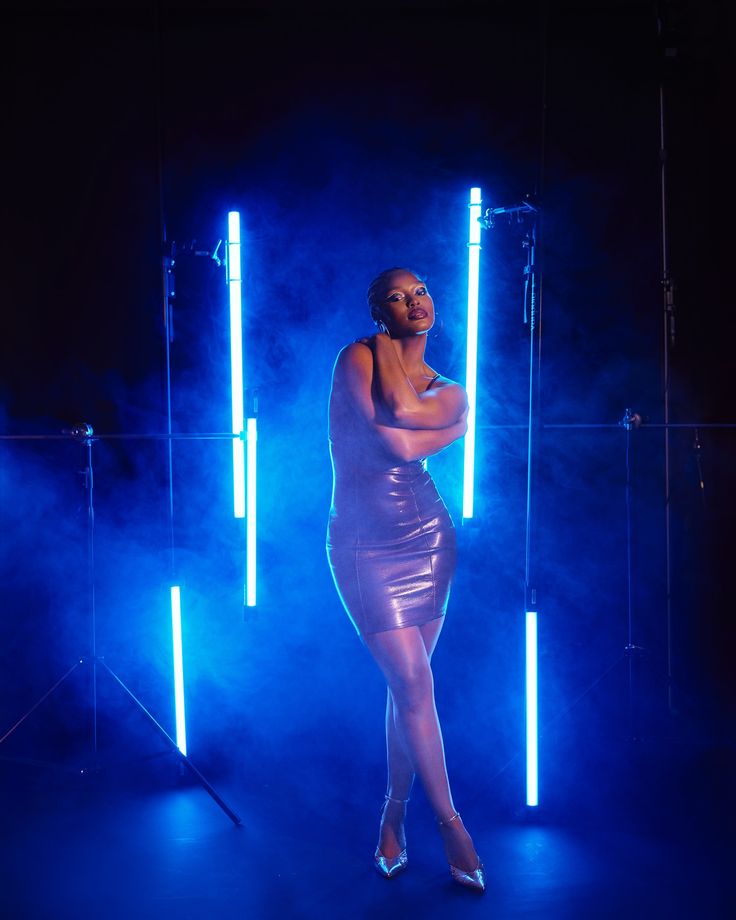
x: 391, y: 544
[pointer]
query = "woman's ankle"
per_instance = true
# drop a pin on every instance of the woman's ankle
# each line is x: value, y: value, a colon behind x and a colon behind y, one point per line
x: 458, y: 843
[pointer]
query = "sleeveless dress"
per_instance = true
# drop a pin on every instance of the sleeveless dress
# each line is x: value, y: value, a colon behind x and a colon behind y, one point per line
x: 391, y: 545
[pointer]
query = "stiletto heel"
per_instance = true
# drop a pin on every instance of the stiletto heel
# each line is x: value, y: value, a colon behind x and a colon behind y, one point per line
x: 476, y: 880
x: 390, y: 867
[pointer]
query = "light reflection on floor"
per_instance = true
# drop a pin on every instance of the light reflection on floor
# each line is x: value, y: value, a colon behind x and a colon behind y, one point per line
x: 173, y: 852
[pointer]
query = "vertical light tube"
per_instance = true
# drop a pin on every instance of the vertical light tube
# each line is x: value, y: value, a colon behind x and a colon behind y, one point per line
x: 471, y: 362
x: 235, y: 285
x: 250, y: 521
x: 181, y: 728
x: 532, y: 745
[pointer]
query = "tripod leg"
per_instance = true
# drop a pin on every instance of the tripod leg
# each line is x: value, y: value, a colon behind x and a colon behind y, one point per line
x: 38, y: 702
x: 182, y: 757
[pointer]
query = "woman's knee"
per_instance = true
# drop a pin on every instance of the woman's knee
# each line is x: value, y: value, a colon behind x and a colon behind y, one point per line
x: 412, y: 687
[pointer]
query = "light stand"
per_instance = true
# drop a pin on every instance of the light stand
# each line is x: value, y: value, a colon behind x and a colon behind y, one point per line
x: 630, y: 422
x: 84, y: 434
x: 532, y: 317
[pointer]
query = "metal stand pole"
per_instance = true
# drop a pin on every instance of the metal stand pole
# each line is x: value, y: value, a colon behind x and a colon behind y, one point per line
x: 630, y: 421
x: 533, y: 316
x: 85, y: 435
x: 668, y: 340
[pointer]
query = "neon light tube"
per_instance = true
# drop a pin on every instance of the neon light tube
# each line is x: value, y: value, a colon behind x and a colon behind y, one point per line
x: 471, y: 361
x: 532, y: 746
x: 181, y: 728
x: 235, y: 284
x: 250, y: 521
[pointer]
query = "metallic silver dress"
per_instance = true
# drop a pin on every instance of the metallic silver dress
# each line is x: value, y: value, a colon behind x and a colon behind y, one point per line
x: 390, y: 543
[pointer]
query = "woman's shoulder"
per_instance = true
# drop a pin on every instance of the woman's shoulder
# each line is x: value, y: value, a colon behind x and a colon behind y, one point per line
x: 355, y: 354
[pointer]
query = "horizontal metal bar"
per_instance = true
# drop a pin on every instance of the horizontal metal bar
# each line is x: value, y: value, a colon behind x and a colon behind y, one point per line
x: 229, y: 436
x: 654, y: 425
x: 191, y: 436
x: 616, y: 425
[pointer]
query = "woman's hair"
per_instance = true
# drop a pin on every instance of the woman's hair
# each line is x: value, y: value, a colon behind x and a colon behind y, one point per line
x: 378, y: 285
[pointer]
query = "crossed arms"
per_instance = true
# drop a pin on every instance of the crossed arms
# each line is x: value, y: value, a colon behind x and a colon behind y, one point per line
x: 409, y: 425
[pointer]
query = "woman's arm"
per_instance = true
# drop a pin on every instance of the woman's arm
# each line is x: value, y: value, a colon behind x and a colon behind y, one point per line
x: 415, y: 444
x: 435, y: 408
x: 354, y: 375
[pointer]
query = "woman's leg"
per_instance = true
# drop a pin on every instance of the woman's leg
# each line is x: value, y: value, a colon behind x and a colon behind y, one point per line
x: 404, y: 660
x: 392, y: 839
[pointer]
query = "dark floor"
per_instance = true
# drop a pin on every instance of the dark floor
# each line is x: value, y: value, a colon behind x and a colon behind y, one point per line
x: 106, y: 847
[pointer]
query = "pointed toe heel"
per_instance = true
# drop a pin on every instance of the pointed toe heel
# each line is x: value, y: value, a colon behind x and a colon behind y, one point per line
x: 389, y: 867
x: 476, y: 880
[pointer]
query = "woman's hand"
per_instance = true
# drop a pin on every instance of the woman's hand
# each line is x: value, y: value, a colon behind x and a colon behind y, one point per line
x: 370, y: 341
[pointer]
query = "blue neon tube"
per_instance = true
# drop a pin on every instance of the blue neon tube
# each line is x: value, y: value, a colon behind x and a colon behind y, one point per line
x: 181, y: 729
x: 235, y: 285
x: 471, y: 361
x: 532, y: 737
x: 250, y: 521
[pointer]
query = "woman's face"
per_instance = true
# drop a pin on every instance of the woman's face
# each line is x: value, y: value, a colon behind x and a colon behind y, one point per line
x: 406, y: 307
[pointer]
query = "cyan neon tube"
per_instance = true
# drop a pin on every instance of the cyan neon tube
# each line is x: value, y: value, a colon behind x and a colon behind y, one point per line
x: 235, y: 286
x: 181, y: 728
x: 471, y: 361
x: 250, y: 521
x: 532, y: 737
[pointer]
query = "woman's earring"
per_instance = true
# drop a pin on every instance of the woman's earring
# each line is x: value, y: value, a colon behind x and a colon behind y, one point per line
x: 437, y: 331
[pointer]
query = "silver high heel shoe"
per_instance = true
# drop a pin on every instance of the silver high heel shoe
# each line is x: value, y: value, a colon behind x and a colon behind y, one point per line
x: 476, y: 880
x: 385, y: 866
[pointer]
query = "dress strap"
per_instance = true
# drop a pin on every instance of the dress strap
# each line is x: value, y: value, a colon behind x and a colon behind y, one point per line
x: 436, y: 377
